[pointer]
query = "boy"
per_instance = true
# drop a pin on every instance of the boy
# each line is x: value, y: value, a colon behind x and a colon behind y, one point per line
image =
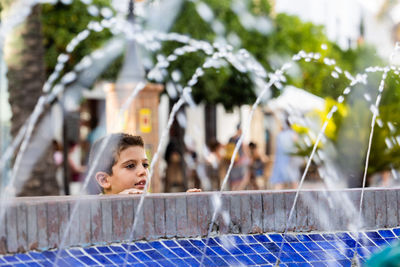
x: 123, y: 167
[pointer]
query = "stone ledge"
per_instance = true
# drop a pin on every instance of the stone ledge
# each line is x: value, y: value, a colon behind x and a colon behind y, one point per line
x: 40, y: 223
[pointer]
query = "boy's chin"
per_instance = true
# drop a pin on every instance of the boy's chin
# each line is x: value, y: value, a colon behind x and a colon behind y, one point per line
x: 139, y: 187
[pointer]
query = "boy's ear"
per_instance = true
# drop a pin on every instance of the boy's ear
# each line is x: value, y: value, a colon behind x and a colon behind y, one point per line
x: 103, y: 179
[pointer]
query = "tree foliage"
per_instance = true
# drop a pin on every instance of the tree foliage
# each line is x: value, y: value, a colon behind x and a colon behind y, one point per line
x: 61, y: 23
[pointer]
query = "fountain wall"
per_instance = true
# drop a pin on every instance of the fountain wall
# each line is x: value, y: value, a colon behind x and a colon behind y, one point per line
x: 39, y: 223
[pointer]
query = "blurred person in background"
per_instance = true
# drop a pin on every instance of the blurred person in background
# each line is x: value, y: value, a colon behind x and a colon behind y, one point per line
x: 239, y: 172
x: 286, y: 169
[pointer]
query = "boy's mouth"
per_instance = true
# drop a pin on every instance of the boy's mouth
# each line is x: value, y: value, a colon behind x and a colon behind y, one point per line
x: 141, y: 184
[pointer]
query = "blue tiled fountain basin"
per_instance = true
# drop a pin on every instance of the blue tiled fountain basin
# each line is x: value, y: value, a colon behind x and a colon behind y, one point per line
x: 310, y: 249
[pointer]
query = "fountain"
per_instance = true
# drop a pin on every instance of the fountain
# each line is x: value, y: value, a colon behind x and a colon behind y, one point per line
x: 337, y: 227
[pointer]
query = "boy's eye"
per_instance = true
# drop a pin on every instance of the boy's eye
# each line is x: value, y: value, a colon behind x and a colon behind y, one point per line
x: 130, y: 166
x: 146, y: 165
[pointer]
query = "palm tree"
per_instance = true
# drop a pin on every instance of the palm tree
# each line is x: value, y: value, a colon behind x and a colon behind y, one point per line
x: 24, y: 55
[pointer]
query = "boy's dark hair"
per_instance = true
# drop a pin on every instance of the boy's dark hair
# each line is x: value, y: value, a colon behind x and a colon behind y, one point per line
x: 110, y: 148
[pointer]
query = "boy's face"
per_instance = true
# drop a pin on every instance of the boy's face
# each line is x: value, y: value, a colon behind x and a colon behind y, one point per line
x: 130, y: 171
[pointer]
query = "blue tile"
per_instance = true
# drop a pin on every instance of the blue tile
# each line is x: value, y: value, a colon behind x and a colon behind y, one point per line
x: 343, y: 236
x: 210, y: 252
x: 152, y: 264
x: 303, y: 238
x: 167, y: 253
x: 19, y: 265
x: 287, y: 248
x: 296, y: 257
x: 322, y: 255
x: 180, y: 262
x: 221, y: 251
x: 329, y: 237
x: 309, y: 256
x: 237, y: 240
x: 396, y: 231
x: 336, y: 254
x: 51, y: 255
x: 285, y: 257
x: 291, y: 238
x: 325, y: 245
x: 11, y: 259
x: 249, y: 239
x: 129, y: 258
x: 170, y: 243
x: 117, y: 249
x: 141, y: 256
x: 272, y: 247
x: 349, y: 253
x: 226, y: 241
x: 366, y: 242
x: 344, y: 263
x: 72, y: 262
x: 91, y: 251
x: 23, y: 257
x: 104, y: 249
x: 276, y: 237
x: 154, y: 254
x: 373, y: 235
x: 246, y: 249
x: 269, y: 257
x: 379, y: 241
x: 180, y: 252
x: 386, y: 233
x: 33, y: 264
x: 194, y: 251
x: 210, y: 242
x: 166, y: 263
x: 86, y: 260
x: 47, y: 263
x: 192, y: 262
x: 372, y: 249
x: 219, y: 261
x: 316, y: 237
x: 363, y: 252
x: 100, y: 258
x: 205, y: 261
x: 391, y: 240
x: 299, y: 247
x: 318, y: 264
x: 198, y: 243
x: 143, y: 246
x: 234, y: 251
x: 350, y: 243
x: 130, y: 247
x: 184, y: 243
x: 75, y: 252
x: 231, y: 260
x: 62, y: 262
x: 257, y: 259
x: 262, y: 238
x: 115, y: 259
x: 259, y: 248
x: 312, y: 246
x: 244, y: 259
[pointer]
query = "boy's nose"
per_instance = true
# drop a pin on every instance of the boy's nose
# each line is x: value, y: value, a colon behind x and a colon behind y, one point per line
x: 142, y: 171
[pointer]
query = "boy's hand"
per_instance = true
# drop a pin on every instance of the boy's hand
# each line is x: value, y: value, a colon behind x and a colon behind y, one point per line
x: 131, y: 191
x: 191, y: 190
